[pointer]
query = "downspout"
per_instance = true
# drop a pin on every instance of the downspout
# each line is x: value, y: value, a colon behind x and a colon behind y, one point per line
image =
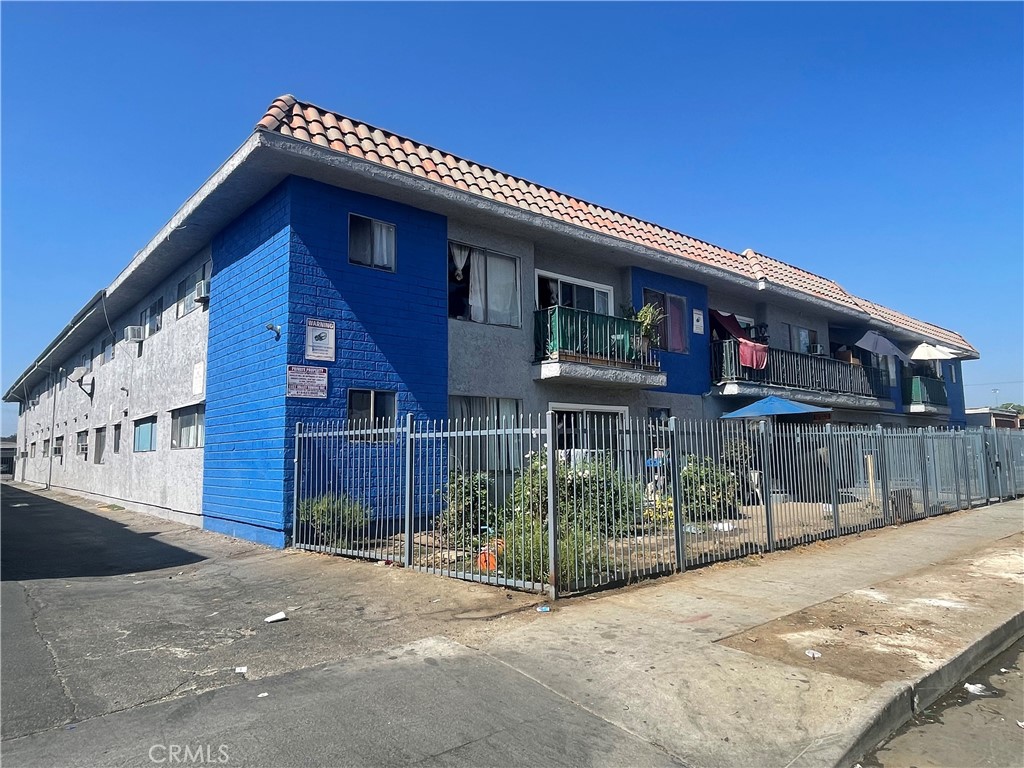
x: 53, y: 424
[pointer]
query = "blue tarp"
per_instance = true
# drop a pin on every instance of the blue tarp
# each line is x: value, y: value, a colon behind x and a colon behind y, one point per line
x: 774, y: 406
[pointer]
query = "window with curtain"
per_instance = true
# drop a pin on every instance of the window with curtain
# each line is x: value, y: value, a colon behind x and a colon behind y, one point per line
x: 101, y: 444
x: 486, y: 452
x: 187, y: 290
x: 151, y: 318
x: 188, y: 427
x: 371, y: 243
x: 802, y: 339
x: 672, y: 331
x: 483, y: 286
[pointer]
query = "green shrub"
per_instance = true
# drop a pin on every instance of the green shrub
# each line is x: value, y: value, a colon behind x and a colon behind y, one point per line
x: 467, y: 509
x: 708, y: 490
x: 525, y: 553
x: 333, y: 520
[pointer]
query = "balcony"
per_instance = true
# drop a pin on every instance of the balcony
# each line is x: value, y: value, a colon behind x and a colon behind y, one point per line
x: 812, y: 377
x: 925, y: 394
x: 575, y: 345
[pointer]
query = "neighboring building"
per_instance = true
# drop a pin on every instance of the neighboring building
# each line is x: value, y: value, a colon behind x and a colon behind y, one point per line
x: 448, y: 289
x: 1003, y: 418
x: 8, y: 453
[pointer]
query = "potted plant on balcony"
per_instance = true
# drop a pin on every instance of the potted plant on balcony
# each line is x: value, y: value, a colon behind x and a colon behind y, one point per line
x: 649, y: 317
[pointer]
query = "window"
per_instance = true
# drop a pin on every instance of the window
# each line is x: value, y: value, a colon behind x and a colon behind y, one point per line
x: 659, y: 414
x: 82, y: 444
x: 483, y: 286
x: 151, y: 318
x: 62, y: 376
x: 187, y: 290
x: 58, y: 446
x: 188, y: 427
x: 32, y: 451
x: 672, y: 335
x: 108, y: 350
x: 501, y: 452
x: 556, y: 290
x: 371, y: 243
x: 802, y: 339
x: 117, y: 438
x: 101, y: 444
x: 46, y: 447
x: 87, y: 360
x: 371, y: 408
x: 145, y: 435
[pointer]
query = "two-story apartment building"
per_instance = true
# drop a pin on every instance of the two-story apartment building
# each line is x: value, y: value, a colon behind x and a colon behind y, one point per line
x: 331, y: 269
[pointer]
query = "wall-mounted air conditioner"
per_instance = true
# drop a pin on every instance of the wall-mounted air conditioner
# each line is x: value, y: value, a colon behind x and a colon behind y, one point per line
x: 23, y: 454
x: 58, y: 450
x: 203, y: 291
x: 817, y: 349
x: 133, y: 333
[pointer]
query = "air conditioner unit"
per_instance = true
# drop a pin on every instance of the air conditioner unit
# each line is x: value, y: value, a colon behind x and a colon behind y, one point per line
x: 23, y: 454
x: 134, y: 333
x: 58, y: 450
x: 817, y: 349
x: 80, y: 449
x: 203, y: 291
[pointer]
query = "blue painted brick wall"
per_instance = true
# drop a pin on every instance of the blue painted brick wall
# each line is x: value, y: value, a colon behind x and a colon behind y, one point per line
x: 688, y: 373
x: 244, y: 466
x: 391, y: 327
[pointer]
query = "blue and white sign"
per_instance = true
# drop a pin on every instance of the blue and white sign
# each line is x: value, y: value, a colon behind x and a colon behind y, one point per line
x: 319, y: 339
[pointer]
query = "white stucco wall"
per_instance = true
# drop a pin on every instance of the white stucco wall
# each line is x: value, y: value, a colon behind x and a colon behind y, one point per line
x: 166, y: 372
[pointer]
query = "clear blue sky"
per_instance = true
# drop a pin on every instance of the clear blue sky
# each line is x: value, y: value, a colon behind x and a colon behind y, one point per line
x: 878, y: 144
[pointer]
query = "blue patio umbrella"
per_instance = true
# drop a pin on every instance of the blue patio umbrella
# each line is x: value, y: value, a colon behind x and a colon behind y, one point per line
x: 774, y: 406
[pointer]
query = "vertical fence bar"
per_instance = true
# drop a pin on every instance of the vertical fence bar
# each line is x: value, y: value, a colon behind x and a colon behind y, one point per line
x: 552, y: 509
x: 883, y: 475
x: 833, y: 479
x: 924, y: 472
x: 410, y: 466
x: 296, y: 479
x: 677, y: 496
x: 766, y: 482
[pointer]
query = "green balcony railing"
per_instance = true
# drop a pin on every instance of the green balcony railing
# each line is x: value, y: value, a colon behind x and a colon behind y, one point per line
x: 575, y: 335
x: 924, y: 390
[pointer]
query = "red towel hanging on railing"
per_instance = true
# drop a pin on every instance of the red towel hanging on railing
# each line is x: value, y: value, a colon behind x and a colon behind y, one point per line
x: 752, y: 354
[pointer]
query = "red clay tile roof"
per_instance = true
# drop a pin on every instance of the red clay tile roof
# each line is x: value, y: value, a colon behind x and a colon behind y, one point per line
x: 301, y: 120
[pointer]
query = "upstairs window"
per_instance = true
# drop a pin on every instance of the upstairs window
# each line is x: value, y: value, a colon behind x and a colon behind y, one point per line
x: 58, y: 446
x: 558, y: 291
x: 483, y: 286
x: 32, y: 451
x: 101, y: 445
x: 82, y: 444
x: 187, y: 291
x: 672, y: 336
x: 188, y: 427
x: 145, y: 435
x: 371, y: 243
x: 151, y: 318
x: 117, y: 438
x: 802, y: 339
x: 87, y: 360
x: 108, y: 349
x: 46, y: 447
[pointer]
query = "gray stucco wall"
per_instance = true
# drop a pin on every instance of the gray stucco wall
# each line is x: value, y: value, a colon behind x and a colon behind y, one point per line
x: 170, y: 373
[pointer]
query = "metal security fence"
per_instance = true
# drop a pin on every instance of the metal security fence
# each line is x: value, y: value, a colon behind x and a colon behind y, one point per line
x: 567, y: 502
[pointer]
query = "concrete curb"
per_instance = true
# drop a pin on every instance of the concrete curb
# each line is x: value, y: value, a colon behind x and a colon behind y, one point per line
x: 910, y: 699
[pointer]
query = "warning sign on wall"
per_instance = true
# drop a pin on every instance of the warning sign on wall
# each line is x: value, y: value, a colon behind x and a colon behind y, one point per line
x: 306, y: 381
x: 319, y: 339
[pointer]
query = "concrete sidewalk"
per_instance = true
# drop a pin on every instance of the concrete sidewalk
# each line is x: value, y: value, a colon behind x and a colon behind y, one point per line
x: 711, y: 665
x: 135, y: 647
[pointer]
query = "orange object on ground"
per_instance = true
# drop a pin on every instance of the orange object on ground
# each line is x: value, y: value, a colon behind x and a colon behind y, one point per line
x: 486, y: 561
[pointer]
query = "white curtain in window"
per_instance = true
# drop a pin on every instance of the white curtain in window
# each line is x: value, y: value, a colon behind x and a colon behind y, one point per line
x: 383, y: 245
x: 509, y: 450
x: 477, y: 274
x: 502, y: 296
x: 459, y: 255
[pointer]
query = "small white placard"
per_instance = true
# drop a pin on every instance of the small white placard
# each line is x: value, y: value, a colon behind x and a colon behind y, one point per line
x: 319, y: 339
x: 198, y: 378
x: 698, y: 321
x: 306, y: 381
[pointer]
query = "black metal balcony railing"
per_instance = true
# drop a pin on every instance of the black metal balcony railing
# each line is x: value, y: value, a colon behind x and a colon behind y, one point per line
x: 799, y: 371
x: 924, y: 390
x: 574, y: 335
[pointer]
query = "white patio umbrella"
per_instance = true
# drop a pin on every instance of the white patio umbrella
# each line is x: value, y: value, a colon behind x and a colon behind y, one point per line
x: 926, y: 351
x: 875, y: 342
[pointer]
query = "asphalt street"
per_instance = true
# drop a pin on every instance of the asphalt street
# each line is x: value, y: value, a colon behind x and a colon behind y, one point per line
x: 107, y: 659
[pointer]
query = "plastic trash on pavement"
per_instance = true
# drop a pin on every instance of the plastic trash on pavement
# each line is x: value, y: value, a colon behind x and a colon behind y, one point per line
x: 812, y: 654
x: 279, y: 616
x: 977, y: 689
x: 543, y: 609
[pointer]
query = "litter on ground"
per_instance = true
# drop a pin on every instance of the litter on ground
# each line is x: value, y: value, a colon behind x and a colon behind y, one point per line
x: 279, y: 616
x: 976, y: 688
x: 241, y: 670
x: 812, y: 654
